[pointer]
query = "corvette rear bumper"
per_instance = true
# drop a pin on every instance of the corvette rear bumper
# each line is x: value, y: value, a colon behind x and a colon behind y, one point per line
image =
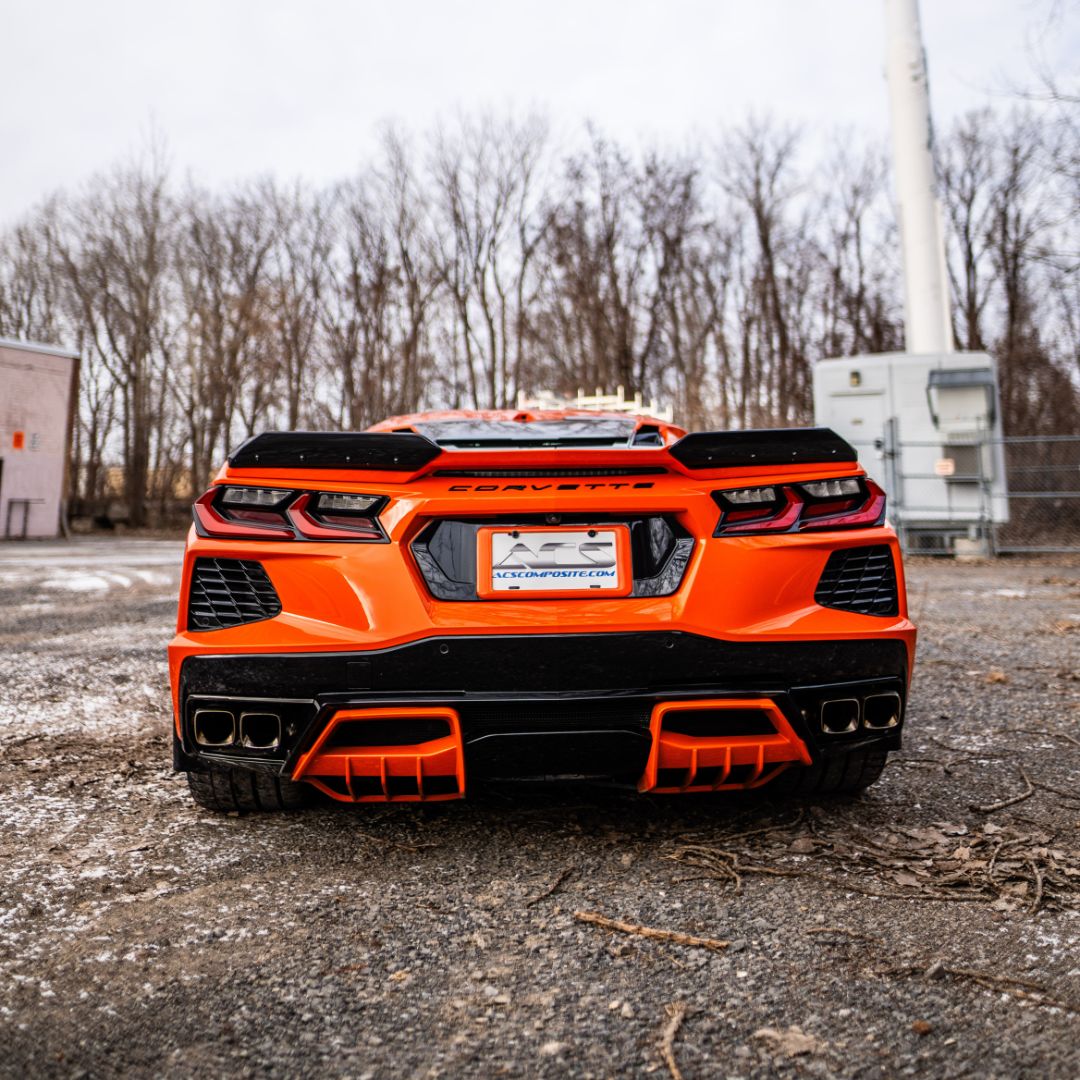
x: 545, y: 704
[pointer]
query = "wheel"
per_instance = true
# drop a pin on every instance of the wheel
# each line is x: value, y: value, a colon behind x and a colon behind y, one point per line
x: 843, y: 774
x: 228, y: 789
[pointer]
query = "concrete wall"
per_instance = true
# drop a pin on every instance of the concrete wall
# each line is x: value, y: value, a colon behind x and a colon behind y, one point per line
x: 36, y: 386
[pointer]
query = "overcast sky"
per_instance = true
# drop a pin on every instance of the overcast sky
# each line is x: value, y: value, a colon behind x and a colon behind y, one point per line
x: 293, y: 88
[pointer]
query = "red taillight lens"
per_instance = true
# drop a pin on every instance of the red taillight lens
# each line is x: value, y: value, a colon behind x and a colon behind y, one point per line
x: 779, y: 516
x: 847, y: 503
x: 313, y: 523
x: 867, y: 507
x: 214, y: 517
x: 250, y: 513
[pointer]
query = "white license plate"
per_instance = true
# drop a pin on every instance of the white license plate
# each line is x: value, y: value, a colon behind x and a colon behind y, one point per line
x: 554, y: 561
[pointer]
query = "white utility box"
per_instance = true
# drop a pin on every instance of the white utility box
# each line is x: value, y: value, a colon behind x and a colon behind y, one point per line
x: 928, y: 428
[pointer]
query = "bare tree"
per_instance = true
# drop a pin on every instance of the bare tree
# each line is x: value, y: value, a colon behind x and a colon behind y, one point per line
x: 222, y: 254
x: 490, y: 223
x: 113, y: 258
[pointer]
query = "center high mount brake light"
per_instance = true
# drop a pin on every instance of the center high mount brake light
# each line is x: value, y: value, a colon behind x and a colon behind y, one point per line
x: 253, y: 513
x: 850, y: 502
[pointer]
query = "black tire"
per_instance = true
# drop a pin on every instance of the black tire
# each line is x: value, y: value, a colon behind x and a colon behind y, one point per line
x: 244, y: 790
x: 843, y: 774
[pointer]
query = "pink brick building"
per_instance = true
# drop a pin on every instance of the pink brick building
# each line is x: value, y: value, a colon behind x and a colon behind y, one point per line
x: 38, y: 388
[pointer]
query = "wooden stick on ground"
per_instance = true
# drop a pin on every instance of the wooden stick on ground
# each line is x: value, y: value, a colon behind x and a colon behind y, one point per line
x: 553, y: 887
x: 676, y: 1014
x: 649, y: 931
x: 1011, y: 801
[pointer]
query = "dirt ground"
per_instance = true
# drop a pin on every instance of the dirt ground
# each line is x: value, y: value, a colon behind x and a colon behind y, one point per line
x: 929, y: 928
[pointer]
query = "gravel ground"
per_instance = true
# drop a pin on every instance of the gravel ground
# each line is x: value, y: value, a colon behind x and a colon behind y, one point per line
x: 919, y: 930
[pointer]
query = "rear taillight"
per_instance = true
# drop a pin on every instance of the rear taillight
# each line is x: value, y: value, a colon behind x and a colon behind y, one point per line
x: 846, y: 503
x: 326, y: 516
x: 233, y: 512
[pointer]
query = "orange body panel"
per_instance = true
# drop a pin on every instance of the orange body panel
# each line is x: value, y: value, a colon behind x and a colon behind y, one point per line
x: 691, y: 754
x: 419, y: 763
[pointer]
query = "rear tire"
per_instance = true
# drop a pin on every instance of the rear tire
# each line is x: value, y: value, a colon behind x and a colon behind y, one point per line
x: 843, y: 774
x: 243, y: 790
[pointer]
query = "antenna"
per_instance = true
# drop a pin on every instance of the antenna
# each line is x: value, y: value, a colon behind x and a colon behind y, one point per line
x: 927, y: 318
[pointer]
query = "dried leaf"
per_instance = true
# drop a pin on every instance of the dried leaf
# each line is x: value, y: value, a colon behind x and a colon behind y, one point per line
x: 950, y: 829
x: 791, y: 1042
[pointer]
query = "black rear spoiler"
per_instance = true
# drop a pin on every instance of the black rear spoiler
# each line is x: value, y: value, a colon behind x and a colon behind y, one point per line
x: 378, y: 450
x: 767, y: 446
x: 408, y: 452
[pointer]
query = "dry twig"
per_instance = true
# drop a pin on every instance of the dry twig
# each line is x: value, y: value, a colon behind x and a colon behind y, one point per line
x: 1012, y: 801
x: 1038, y: 875
x: 674, y: 936
x: 854, y: 934
x: 1018, y: 988
x: 676, y: 1014
x: 1046, y: 731
x: 557, y: 884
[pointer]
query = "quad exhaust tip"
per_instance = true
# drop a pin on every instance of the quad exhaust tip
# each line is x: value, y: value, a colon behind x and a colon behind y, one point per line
x: 875, y: 712
x: 216, y: 728
x: 260, y: 730
x: 840, y: 715
x: 881, y: 711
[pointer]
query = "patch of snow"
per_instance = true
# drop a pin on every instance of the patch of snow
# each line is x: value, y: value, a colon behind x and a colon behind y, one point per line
x: 74, y: 582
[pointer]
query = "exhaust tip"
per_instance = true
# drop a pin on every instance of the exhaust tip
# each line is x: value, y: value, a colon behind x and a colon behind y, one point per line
x: 260, y: 730
x: 214, y: 727
x: 881, y: 711
x: 840, y: 716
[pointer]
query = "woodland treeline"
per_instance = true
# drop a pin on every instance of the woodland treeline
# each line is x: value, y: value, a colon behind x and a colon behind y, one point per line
x: 484, y: 259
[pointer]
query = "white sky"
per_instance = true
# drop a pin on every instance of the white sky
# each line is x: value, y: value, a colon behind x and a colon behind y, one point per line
x: 293, y: 88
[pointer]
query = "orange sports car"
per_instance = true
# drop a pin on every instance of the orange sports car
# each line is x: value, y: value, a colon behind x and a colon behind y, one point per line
x: 389, y: 614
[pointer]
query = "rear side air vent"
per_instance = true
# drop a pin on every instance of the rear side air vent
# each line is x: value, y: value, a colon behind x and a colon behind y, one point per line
x: 229, y: 592
x: 860, y: 579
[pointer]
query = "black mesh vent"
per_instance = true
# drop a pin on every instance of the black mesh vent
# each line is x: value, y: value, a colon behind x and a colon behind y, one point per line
x: 228, y: 592
x: 860, y: 579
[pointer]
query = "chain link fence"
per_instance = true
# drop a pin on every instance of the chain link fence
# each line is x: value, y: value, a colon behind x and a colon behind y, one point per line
x: 1014, y: 495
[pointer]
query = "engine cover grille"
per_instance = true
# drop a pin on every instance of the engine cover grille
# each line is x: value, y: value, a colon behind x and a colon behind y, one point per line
x: 229, y: 592
x: 860, y: 579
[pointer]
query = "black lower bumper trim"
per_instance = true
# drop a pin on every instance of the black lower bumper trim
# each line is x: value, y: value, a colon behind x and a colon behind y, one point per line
x: 547, y: 663
x: 542, y: 703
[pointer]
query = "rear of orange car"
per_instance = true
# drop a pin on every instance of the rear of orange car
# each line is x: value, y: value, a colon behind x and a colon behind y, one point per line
x: 391, y: 614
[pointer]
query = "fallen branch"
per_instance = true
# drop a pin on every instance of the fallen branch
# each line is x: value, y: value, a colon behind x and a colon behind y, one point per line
x: 1010, y: 801
x: 676, y: 1014
x: 854, y: 934
x: 1046, y: 731
x: 986, y: 755
x: 1038, y: 875
x: 673, y: 936
x: 689, y: 838
x: 568, y: 872
x: 1018, y: 988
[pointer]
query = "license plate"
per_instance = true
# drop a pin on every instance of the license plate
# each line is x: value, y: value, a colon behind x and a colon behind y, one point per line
x: 531, y: 561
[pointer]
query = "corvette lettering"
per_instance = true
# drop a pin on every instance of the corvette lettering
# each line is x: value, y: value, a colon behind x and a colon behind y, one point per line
x: 546, y: 487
